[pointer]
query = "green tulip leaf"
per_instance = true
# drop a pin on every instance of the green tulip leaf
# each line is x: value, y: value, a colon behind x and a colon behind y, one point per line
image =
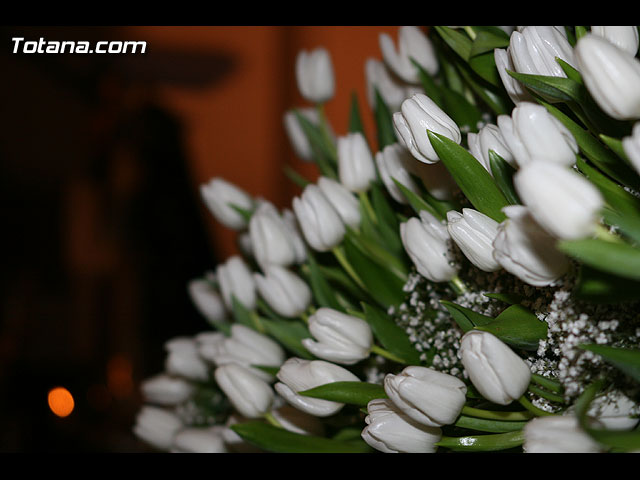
x: 290, y: 334
x: 599, y: 287
x: 431, y: 89
x: 510, y: 298
x: 242, y: 314
x: 295, y: 177
x: 353, y: 393
x: 323, y: 293
x: 517, y: 326
x: 384, y: 122
x: 487, y: 40
x: 625, y: 359
x: 392, y: 337
x: 355, y: 120
x: 616, y: 258
x: 485, y: 66
x: 323, y: 153
x: 463, y: 113
x: 466, y: 318
x: 472, y: 178
x: 278, y: 440
x: 417, y: 202
x: 558, y: 88
x: 503, y: 176
x: 459, y: 42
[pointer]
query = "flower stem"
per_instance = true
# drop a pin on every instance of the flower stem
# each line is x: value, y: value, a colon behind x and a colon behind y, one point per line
x: 483, y: 443
x: 386, y: 354
x: 496, y: 415
x: 553, y: 397
x: 364, y: 200
x: 338, y: 252
x: 532, y: 408
x: 268, y: 416
x: 471, y: 32
x: 324, y: 128
x: 604, y: 234
x: 458, y: 285
x: 485, y: 425
x: 546, y: 382
x: 255, y: 318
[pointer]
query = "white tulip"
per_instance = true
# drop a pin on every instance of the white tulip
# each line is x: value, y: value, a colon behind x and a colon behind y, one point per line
x: 615, y: 411
x: 314, y: 74
x: 234, y: 442
x: 297, y: 375
x: 207, y: 300
x: 525, y: 250
x: 219, y: 195
x: 392, y: 161
x: 356, y: 169
x: 535, y: 48
x: 495, y: 370
x: 344, y: 202
x: 631, y: 146
x: 389, y: 430
x: 166, y: 390
x: 489, y: 138
x: 199, y: 440
x: 516, y: 91
x: 295, y: 237
x: 624, y: 37
x: 417, y: 115
x: 271, y: 241
x: 249, y: 394
x: 427, y: 396
x: 184, y: 360
x: 299, y: 141
x: 561, y: 200
x: 392, y: 91
x: 284, y: 291
x: 338, y: 337
x: 558, y: 434
x: 412, y: 44
x: 321, y: 225
x: 245, y: 347
x: 611, y: 75
x: 474, y: 233
x: 427, y: 243
x: 532, y: 134
x: 157, y: 426
x: 236, y: 280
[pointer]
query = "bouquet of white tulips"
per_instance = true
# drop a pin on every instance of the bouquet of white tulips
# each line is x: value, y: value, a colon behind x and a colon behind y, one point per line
x: 469, y: 280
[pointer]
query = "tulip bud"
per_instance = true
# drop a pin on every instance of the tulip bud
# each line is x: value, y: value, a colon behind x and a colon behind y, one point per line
x: 561, y: 200
x: 314, y: 74
x: 488, y: 138
x: 339, y: 338
x: 535, y: 48
x: 244, y: 347
x: 184, y: 360
x: 495, y: 370
x: 236, y: 280
x: 622, y: 37
x: 166, y: 390
x: 419, y: 114
x: 532, y: 133
x: 392, y: 92
x: 392, y: 161
x: 250, y: 395
x: 297, y: 421
x: 356, y: 169
x: 271, y: 240
x: 199, y: 440
x: 389, y: 430
x: 631, y: 147
x: 525, y: 250
x: 427, y: 243
x: 157, y: 426
x: 297, y: 137
x: 321, y: 225
x: 611, y: 75
x: 219, y: 196
x: 427, y: 396
x: 342, y: 200
x: 207, y: 300
x: 474, y: 233
x: 516, y: 91
x: 412, y: 44
x: 558, y: 434
x: 297, y: 375
x: 284, y: 291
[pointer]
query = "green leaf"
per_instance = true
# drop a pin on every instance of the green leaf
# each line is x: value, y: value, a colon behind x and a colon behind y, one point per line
x: 510, y: 298
x: 322, y: 290
x: 459, y: 42
x: 599, y: 287
x: 387, y: 221
x: 323, y: 153
x: 466, y: 318
x: 558, y: 88
x: 485, y: 66
x: 625, y: 359
x: 495, y: 98
x: 615, y: 145
x: 615, y: 258
x: 503, y: 176
x: 580, y: 32
x: 472, y: 178
x: 289, y: 334
x: 517, y: 326
x: 483, y: 443
x: 279, y: 440
x: 378, y: 253
x: 295, y: 177
x: 384, y: 122
x: 428, y: 84
x: 458, y: 107
x: 246, y: 214
x: 392, y: 337
x: 268, y: 369
x: 488, y: 40
x: 417, y: 203
x: 355, y: 120
x: 353, y: 393
x: 569, y: 71
x: 484, y: 425
x: 380, y: 283
x: 241, y: 314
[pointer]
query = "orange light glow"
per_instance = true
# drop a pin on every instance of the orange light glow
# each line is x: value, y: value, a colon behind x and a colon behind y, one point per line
x: 61, y: 401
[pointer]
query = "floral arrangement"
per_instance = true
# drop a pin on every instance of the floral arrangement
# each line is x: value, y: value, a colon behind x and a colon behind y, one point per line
x: 467, y: 281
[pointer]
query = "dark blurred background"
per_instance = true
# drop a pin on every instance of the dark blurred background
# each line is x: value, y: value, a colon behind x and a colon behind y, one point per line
x: 101, y: 158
